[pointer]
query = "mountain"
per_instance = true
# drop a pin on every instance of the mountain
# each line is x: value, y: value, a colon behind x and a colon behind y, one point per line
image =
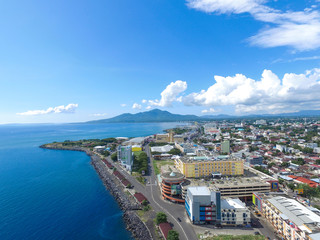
x: 155, y: 115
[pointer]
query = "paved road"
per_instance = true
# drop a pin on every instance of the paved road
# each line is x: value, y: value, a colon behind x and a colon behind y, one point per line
x: 152, y: 193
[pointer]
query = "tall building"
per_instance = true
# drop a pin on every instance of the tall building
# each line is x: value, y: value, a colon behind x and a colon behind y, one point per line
x: 204, y: 167
x: 125, y: 156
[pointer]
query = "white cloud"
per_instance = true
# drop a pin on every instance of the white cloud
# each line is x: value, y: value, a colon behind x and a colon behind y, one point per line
x: 210, y: 110
x: 70, y: 108
x: 123, y: 105
x: 144, y: 101
x: 297, y: 29
x: 269, y: 94
x: 170, y: 94
x: 148, y: 107
x: 99, y: 114
x: 136, y: 106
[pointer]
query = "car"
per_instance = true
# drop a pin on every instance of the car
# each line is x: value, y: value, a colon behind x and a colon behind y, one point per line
x: 179, y: 219
x: 257, y: 233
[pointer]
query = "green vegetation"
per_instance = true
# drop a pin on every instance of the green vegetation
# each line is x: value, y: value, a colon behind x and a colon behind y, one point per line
x: 140, y: 162
x: 146, y: 208
x: 155, y: 167
x: 285, y: 164
x: 298, y: 161
x: 173, y: 235
x: 308, y: 191
x: 237, y: 237
x: 114, y: 157
x: 174, y: 151
x: 158, y: 163
x: 141, y: 179
x: 161, y: 218
x: 261, y: 169
x: 179, y: 130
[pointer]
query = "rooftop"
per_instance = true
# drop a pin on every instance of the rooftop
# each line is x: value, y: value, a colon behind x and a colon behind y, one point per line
x: 232, y: 203
x: 199, y: 191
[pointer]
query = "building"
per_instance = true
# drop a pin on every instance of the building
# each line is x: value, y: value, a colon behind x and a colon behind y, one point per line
x: 136, y: 148
x: 203, y: 206
x: 225, y: 147
x: 125, y: 156
x: 185, y: 147
x: 164, y: 137
x: 197, y: 167
x: 161, y: 149
x: 290, y: 219
x: 178, y: 138
x: 242, y: 188
x: 171, y: 186
x: 234, y: 212
x: 164, y: 229
x: 254, y: 160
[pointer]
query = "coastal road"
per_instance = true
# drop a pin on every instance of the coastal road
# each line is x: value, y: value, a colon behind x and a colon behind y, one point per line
x: 172, y: 210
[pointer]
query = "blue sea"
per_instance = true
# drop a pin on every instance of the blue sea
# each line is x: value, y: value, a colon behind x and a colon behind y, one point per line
x: 50, y: 194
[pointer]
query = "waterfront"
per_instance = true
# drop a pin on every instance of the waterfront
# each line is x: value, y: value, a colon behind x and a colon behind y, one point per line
x: 49, y: 194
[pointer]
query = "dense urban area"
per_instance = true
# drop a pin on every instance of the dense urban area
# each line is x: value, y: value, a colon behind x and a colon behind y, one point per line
x: 227, y: 179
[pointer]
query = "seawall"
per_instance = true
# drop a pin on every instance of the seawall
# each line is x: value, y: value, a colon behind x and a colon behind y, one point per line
x: 132, y: 221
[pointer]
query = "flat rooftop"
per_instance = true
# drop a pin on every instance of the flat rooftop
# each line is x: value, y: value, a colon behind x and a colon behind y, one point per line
x: 199, y: 191
x: 234, y: 203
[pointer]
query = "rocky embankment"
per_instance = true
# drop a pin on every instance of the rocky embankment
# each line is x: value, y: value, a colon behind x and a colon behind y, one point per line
x: 132, y: 221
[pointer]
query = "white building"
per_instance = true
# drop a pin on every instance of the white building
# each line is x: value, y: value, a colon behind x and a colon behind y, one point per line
x: 234, y: 211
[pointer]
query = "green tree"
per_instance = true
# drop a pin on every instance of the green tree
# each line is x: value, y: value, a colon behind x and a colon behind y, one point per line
x: 114, y: 157
x: 285, y: 164
x: 174, y: 151
x: 161, y: 218
x: 173, y: 235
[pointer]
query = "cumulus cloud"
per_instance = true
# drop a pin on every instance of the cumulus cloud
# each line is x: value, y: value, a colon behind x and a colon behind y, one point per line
x: 136, y: 106
x: 297, y: 29
x: 148, y: 107
x: 144, y: 101
x: 210, y: 110
x: 70, y: 108
x: 170, y: 94
x: 123, y: 105
x: 269, y: 94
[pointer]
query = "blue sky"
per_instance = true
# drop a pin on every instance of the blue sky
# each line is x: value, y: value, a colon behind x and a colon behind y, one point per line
x: 70, y: 61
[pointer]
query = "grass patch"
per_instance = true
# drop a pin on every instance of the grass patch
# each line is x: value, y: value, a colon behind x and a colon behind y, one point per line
x: 239, y: 237
x: 157, y: 164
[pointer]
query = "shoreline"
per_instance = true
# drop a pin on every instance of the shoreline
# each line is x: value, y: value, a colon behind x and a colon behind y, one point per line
x: 132, y: 221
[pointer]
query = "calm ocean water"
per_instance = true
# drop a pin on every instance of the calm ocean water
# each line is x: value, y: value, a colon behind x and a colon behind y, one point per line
x: 48, y: 194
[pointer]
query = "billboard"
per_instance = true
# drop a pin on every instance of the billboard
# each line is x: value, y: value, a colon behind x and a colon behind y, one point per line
x: 298, y: 191
x: 175, y: 189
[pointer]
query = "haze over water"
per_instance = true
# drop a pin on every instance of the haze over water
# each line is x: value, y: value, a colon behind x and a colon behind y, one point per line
x: 49, y: 194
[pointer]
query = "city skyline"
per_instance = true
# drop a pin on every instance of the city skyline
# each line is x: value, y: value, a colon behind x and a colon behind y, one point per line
x: 81, y: 61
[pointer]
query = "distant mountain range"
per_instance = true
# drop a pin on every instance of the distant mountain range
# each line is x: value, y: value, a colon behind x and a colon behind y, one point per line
x: 157, y: 115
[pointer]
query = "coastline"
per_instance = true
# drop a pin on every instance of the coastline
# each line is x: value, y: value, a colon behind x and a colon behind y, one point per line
x: 132, y: 221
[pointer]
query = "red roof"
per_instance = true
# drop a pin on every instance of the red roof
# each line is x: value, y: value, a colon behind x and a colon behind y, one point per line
x: 125, y: 182
x: 304, y: 180
x: 118, y: 175
x: 165, y: 228
x: 140, y: 197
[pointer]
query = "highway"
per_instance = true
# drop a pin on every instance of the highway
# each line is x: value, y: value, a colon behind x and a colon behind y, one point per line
x: 152, y: 193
